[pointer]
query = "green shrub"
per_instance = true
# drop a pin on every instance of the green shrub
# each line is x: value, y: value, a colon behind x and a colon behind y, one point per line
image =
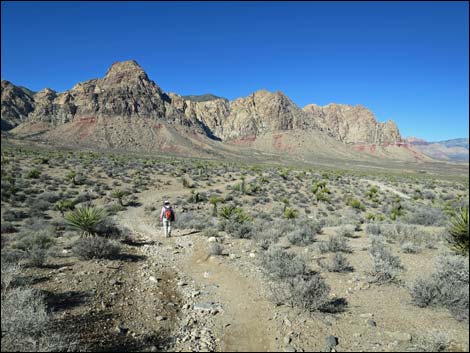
x: 33, y: 174
x: 64, y: 205
x: 357, y: 205
x: 290, y: 213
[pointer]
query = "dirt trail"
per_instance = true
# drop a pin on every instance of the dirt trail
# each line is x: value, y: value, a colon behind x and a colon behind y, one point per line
x: 245, y: 322
x: 387, y: 188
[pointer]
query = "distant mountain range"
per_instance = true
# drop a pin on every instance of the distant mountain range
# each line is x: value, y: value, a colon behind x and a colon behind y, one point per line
x: 126, y: 110
x: 453, y: 150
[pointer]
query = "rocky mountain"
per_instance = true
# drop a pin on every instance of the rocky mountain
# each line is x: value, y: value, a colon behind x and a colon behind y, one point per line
x: 448, y: 150
x: 17, y: 103
x: 353, y: 124
x: 111, y: 111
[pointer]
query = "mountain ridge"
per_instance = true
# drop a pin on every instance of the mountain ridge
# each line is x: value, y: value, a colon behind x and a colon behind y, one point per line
x: 126, y: 92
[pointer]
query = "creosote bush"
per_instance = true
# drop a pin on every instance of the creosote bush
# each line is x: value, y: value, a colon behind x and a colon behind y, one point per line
x: 446, y: 287
x: 293, y: 283
x: 335, y: 243
x: 35, y: 245
x: 386, y: 266
x: 96, y: 247
x: 339, y: 263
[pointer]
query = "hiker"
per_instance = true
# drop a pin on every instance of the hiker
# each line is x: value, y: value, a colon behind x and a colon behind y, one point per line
x: 167, y: 216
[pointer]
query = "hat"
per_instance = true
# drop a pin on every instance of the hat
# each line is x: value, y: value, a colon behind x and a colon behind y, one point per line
x: 166, y: 202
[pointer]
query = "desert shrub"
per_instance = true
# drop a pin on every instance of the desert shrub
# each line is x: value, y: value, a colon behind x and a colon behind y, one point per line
x: 13, y: 215
x: 339, y: 263
x: 446, y: 287
x: 457, y: 237
x: 386, y: 266
x: 216, y: 249
x: 308, y: 293
x: 24, y: 317
x: 242, y: 230
x: 50, y: 197
x: 109, y: 229
x: 84, y: 197
x: 303, y: 232
x: 38, y: 206
x: 193, y: 220
x: 431, y: 341
x: 96, y: 247
x: 85, y: 219
x: 210, y: 232
x: 346, y: 231
x: 409, y: 247
x: 7, y: 227
x: 26, y: 325
x: 36, y: 246
x: 426, y: 216
x: 335, y: 243
x: 33, y: 174
x: 280, y: 264
x: 187, y: 183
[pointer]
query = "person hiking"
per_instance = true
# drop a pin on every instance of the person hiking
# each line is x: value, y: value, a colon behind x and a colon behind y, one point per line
x: 167, y: 216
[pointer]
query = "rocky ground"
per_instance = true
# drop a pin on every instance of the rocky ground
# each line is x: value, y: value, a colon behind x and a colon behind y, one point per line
x: 170, y: 294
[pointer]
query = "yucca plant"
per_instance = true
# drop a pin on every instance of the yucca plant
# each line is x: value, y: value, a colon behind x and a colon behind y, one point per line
x: 227, y: 211
x: 214, y: 200
x: 85, y: 219
x: 290, y: 213
x: 236, y: 213
x: 71, y: 176
x: 458, y: 232
x: 64, y: 205
x: 119, y: 194
x: 286, y: 203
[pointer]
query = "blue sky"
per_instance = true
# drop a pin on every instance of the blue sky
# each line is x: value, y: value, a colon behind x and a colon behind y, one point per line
x: 406, y: 61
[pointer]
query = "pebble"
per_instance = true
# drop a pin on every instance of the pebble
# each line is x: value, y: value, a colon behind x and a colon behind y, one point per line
x: 331, y: 342
x: 371, y: 323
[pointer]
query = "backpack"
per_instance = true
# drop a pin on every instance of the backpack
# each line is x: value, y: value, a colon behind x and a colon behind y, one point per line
x: 169, y: 214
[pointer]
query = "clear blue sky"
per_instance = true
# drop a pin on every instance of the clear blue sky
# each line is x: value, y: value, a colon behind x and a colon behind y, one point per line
x: 406, y: 61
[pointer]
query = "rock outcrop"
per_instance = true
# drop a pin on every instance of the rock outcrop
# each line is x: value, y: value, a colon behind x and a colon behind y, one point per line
x: 111, y: 112
x: 353, y: 124
x: 17, y: 103
x: 125, y: 91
